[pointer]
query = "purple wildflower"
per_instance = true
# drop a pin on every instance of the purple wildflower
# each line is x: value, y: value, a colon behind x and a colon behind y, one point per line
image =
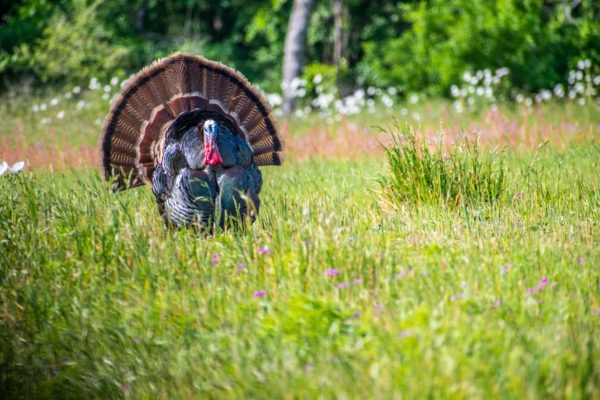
x: 332, y: 271
x: 552, y: 285
x: 425, y: 273
x: 530, y: 291
x: 356, y: 315
x: 463, y: 284
x: 55, y: 371
x: 401, y: 273
x: 64, y: 361
x: 341, y: 285
x: 496, y: 303
x: 264, y: 250
x: 597, y: 310
x: 504, y: 269
x: 378, y: 307
x: 241, y: 267
x: 137, y: 340
x: 580, y: 261
x: 309, y: 367
x: 516, y: 223
x: 126, y: 387
x: 404, y: 334
x: 456, y: 297
x: 356, y: 281
x: 260, y: 293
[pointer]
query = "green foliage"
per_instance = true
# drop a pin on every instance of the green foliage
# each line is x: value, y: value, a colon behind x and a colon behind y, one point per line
x: 419, y: 173
x: 76, y: 47
x: 413, y: 46
x: 530, y: 37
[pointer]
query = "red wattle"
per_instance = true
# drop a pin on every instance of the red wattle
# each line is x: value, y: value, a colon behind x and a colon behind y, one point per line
x: 212, y: 156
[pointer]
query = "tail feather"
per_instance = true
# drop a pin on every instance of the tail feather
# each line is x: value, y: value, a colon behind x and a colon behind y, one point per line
x: 135, y: 129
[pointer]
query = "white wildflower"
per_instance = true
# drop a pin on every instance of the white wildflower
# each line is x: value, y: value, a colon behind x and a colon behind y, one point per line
x: 76, y: 89
x: 502, y: 72
x: 413, y: 98
x: 458, y: 106
x: 519, y: 98
x: 370, y: 90
x: 546, y: 94
x: 274, y: 99
x: 454, y: 91
x: 580, y: 64
x: 94, y: 84
x: 60, y: 115
x: 528, y: 102
x: 68, y: 95
x: 17, y: 167
x: 559, y: 90
x: 54, y: 101
x: 107, y: 88
x: 35, y: 108
x: 581, y: 101
x: 114, y: 81
x: 318, y: 79
x: 105, y: 96
x: 97, y: 122
x: 387, y: 101
x: 392, y: 91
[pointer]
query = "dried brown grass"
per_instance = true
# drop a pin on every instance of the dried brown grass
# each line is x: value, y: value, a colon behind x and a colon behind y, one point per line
x: 347, y: 139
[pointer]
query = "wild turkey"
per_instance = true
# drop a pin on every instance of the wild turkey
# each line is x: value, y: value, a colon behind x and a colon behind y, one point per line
x: 197, y: 131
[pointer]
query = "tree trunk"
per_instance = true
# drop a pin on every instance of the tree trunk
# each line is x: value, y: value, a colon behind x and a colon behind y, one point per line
x: 140, y: 13
x: 340, y: 43
x: 295, y: 47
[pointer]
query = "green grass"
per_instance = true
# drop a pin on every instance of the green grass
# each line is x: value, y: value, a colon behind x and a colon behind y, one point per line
x: 97, y: 300
x: 420, y: 172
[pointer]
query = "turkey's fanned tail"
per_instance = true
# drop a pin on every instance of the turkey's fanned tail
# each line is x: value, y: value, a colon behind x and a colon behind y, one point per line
x: 171, y: 95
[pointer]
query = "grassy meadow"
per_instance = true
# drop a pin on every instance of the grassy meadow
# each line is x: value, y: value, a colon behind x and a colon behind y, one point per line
x: 344, y: 287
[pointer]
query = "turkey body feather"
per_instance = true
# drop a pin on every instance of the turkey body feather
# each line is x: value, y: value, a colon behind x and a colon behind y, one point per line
x: 197, y: 131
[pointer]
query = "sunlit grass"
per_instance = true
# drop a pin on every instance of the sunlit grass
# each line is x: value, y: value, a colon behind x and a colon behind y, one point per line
x: 98, y: 300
